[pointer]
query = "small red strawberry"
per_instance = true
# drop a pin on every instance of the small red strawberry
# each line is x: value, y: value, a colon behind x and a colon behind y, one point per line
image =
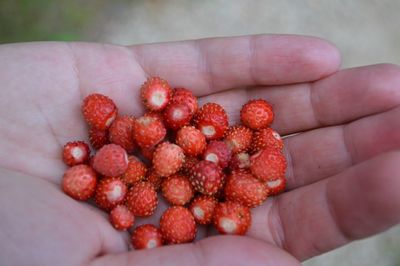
x: 99, y: 111
x: 168, y: 158
x: 188, y: 164
x: 154, y: 179
x: 79, y: 182
x: 111, y: 160
x: 148, y: 130
x: 146, y: 236
x: 177, y: 225
x: 268, y: 165
x: 76, y: 152
x: 156, y: 93
x: 110, y: 192
x: 242, y: 187
x: 266, y: 138
x: 148, y: 152
x: 257, y: 114
x: 232, y: 218
x: 238, y: 138
x: 218, y: 152
x: 240, y: 161
x: 121, y: 133
x: 212, y: 121
x: 202, y: 208
x: 206, y: 177
x: 177, y: 189
x: 98, y: 138
x: 177, y: 115
x: 191, y: 140
x: 135, y: 172
x: 277, y: 186
x: 142, y: 199
x: 121, y: 218
x: 185, y: 96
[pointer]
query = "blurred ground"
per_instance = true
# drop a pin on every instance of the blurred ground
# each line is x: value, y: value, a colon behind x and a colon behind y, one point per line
x: 366, y: 32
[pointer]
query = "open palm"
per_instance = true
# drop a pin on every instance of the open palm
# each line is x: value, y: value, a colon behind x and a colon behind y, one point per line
x: 343, y: 167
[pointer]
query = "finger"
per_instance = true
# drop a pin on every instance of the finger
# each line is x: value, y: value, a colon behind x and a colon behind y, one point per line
x: 314, y: 219
x: 221, y: 250
x: 333, y: 149
x: 340, y: 98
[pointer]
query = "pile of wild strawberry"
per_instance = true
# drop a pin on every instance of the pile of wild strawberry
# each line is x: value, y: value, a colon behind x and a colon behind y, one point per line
x: 209, y: 172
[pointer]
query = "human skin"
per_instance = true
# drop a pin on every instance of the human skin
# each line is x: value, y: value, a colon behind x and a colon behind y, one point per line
x: 343, y: 150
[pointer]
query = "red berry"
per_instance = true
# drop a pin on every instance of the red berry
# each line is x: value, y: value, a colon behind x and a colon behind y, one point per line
x: 232, y: 218
x: 135, y: 172
x: 148, y: 130
x: 146, y: 236
x: 121, y: 133
x: 238, y: 138
x: 154, y: 179
x: 111, y: 160
x: 177, y: 115
x: 121, y: 218
x: 188, y: 164
x: 266, y: 138
x: 242, y: 187
x: 177, y: 190
x: 212, y: 121
x: 186, y: 97
x: 142, y: 199
x: 206, y: 177
x: 98, y: 138
x: 202, y: 208
x: 257, y: 114
x: 218, y: 152
x: 148, y: 152
x: 76, y: 152
x: 110, y: 192
x: 156, y: 93
x: 79, y: 182
x: 168, y: 158
x: 240, y: 161
x: 177, y: 225
x: 99, y: 111
x: 277, y: 186
x: 268, y: 165
x: 191, y: 140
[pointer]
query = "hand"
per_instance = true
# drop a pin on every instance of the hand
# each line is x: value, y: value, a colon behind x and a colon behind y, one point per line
x: 343, y: 167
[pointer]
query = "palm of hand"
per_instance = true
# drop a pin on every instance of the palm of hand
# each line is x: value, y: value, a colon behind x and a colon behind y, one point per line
x: 330, y: 201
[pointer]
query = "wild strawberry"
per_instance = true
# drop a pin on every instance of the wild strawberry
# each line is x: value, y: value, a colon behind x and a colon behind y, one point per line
x: 121, y: 133
x: 202, y: 208
x: 185, y: 96
x: 188, y: 164
x: 257, y: 114
x: 268, y: 165
x: 277, y: 186
x: 212, y: 121
x: 191, y: 140
x: 177, y: 225
x: 148, y: 152
x: 242, y: 187
x: 232, y: 218
x: 111, y: 160
x: 121, y: 218
x: 154, y: 179
x: 76, y: 152
x: 218, y: 152
x: 177, y: 189
x: 142, y: 199
x: 156, y: 93
x: 148, y: 130
x: 79, y: 182
x: 110, y: 192
x: 266, y: 138
x: 177, y: 115
x: 135, y: 172
x: 98, y: 138
x: 146, y: 236
x: 240, y: 161
x: 206, y: 177
x: 99, y: 111
x: 238, y: 138
x: 168, y: 158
